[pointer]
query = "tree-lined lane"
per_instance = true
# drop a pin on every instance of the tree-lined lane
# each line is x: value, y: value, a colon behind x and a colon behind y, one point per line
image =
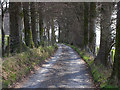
x: 64, y: 70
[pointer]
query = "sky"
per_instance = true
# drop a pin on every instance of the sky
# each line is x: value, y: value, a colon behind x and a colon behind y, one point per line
x: 97, y: 37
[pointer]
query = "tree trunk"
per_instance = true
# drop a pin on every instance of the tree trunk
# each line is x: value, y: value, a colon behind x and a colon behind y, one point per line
x: 92, y: 17
x: 59, y: 34
x: 40, y: 26
x: 3, y: 38
x: 79, y: 10
x: 48, y: 36
x: 3, y: 33
x: 86, y: 8
x: 0, y: 37
x: 115, y: 76
x: 14, y: 28
x: 33, y: 23
x: 41, y: 29
x: 53, y: 33
x: 28, y: 35
x: 105, y: 41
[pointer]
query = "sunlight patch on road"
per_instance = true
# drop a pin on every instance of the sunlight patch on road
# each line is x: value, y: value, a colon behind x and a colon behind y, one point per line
x: 64, y: 70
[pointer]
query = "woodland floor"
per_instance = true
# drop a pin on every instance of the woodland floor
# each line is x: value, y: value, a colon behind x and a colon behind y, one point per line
x: 65, y: 69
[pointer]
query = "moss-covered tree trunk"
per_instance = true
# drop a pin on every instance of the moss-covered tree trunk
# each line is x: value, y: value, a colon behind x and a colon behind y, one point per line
x: 14, y: 28
x: 86, y: 8
x: 105, y: 40
x: 92, y: 17
x: 33, y: 23
x: 115, y: 77
x: 28, y: 35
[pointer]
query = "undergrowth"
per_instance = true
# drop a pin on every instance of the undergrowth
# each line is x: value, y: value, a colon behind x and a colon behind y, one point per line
x: 99, y: 72
x: 20, y: 65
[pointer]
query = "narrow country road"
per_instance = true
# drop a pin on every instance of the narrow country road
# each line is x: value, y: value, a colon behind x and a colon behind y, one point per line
x: 64, y: 70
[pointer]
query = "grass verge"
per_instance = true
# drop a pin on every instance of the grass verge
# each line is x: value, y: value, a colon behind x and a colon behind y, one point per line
x: 20, y: 65
x: 99, y: 72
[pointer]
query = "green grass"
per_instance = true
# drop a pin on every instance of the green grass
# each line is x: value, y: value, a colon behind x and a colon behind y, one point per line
x: 5, y: 39
x: 99, y: 72
x: 15, y: 67
x: 86, y: 56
